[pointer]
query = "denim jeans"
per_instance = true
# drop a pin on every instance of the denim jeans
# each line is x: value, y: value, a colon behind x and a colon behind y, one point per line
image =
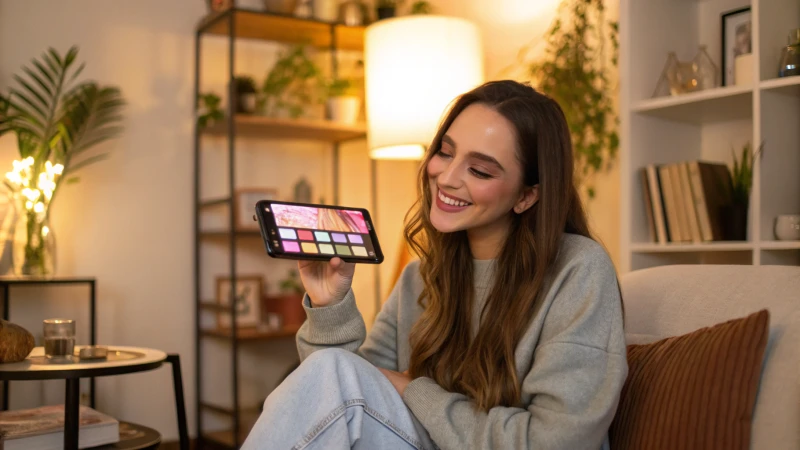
x: 336, y: 400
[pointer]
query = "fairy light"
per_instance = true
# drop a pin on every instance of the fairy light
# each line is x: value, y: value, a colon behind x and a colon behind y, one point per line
x: 36, y: 193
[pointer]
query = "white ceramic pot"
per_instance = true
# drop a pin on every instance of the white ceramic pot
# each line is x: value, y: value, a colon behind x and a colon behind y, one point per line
x: 248, y: 103
x: 787, y: 227
x: 344, y: 109
x: 326, y: 10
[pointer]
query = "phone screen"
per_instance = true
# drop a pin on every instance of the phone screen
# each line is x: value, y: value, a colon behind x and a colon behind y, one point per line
x: 304, y: 231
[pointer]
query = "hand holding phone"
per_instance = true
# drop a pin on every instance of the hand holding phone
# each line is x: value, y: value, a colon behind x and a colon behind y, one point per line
x: 326, y: 239
x: 317, y: 232
x: 326, y: 282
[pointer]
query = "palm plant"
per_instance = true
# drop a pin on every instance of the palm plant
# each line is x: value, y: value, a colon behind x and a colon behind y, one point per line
x: 56, y: 120
x: 742, y: 173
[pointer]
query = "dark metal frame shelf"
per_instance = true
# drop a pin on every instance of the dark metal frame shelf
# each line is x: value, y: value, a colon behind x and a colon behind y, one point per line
x: 234, y: 24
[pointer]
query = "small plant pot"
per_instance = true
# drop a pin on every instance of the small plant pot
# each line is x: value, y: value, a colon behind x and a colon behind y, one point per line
x: 344, y: 109
x: 386, y: 12
x: 246, y: 103
x: 326, y: 10
x: 734, y: 222
x: 289, y: 307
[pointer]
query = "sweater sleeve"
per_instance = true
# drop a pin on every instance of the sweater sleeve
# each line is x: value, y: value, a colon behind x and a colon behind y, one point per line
x: 342, y: 326
x: 578, y: 370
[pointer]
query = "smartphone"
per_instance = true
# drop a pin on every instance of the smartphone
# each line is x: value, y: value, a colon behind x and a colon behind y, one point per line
x: 317, y: 232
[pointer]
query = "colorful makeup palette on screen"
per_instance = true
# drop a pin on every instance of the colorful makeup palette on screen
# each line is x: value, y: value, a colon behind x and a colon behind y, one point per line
x: 322, y: 242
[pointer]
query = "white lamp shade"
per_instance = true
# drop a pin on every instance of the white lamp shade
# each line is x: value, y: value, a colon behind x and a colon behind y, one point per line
x: 415, y: 67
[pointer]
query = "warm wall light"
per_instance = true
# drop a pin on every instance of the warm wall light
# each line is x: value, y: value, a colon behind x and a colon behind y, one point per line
x: 415, y: 66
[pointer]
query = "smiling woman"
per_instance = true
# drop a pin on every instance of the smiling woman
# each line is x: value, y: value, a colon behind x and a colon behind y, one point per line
x: 507, y: 270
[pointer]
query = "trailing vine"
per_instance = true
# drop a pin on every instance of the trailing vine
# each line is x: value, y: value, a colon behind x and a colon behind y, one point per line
x: 574, y: 71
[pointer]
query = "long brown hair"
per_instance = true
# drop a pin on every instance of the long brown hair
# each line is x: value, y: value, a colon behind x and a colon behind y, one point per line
x: 484, y: 369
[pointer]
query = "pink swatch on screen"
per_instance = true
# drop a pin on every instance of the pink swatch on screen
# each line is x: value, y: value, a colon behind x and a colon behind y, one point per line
x: 291, y: 246
x: 305, y: 235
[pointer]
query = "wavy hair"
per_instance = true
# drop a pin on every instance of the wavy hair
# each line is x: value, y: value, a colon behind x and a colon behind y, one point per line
x: 484, y: 368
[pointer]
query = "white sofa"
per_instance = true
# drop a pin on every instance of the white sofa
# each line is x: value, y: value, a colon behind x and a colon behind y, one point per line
x: 674, y: 300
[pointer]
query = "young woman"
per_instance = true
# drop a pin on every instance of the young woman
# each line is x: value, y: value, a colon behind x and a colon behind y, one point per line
x: 507, y: 333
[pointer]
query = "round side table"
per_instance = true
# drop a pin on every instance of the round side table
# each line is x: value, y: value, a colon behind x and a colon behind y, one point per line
x: 120, y: 360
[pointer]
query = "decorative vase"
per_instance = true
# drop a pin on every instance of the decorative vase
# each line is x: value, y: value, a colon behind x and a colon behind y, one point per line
x: 386, y: 12
x: 353, y: 13
x: 34, y: 244
x: 790, y: 56
x: 734, y: 222
x: 344, y: 109
x: 688, y: 76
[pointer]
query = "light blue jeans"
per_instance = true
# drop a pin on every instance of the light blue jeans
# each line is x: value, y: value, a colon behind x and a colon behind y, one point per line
x: 336, y: 400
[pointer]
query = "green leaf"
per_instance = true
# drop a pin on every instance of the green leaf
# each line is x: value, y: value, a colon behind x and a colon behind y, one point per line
x: 72, y: 180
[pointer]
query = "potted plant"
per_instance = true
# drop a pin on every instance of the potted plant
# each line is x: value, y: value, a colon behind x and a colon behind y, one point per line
x: 579, y: 58
x: 57, y: 120
x: 734, y: 215
x: 289, y: 303
x: 387, y: 9
x: 209, y: 111
x: 343, y: 104
x: 421, y: 7
x: 291, y: 85
x: 245, y: 94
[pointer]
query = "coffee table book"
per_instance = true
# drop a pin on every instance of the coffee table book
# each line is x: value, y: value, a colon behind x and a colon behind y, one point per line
x: 43, y: 428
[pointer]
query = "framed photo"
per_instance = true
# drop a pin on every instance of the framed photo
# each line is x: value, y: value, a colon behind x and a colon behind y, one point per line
x: 245, y: 203
x: 248, y: 300
x: 737, y: 39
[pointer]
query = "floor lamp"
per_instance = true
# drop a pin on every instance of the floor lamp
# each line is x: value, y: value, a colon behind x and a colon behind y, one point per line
x: 415, y: 66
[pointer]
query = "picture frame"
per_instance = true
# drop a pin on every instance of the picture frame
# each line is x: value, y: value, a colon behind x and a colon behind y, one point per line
x: 245, y: 204
x: 249, y: 290
x: 737, y: 39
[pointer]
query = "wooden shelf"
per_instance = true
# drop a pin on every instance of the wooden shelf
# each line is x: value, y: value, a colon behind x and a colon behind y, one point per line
x: 215, y: 202
x: 224, y: 234
x: 730, y: 246
x: 283, y: 28
x: 250, y: 334
x: 780, y: 245
x: 211, y: 306
x: 786, y: 86
x: 282, y: 128
x: 712, y: 105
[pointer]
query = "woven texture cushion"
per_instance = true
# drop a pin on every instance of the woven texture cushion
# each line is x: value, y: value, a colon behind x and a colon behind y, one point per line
x: 695, y: 391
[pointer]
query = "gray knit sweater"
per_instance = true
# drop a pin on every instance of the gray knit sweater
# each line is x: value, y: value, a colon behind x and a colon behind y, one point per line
x: 571, y: 360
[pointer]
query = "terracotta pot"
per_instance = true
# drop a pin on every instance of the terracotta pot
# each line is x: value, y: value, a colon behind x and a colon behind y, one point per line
x: 289, y: 307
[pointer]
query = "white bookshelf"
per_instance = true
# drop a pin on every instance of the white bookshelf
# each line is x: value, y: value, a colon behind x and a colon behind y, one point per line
x: 704, y: 125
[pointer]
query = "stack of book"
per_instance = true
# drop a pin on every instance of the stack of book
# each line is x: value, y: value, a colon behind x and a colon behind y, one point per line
x: 684, y: 201
x: 43, y: 428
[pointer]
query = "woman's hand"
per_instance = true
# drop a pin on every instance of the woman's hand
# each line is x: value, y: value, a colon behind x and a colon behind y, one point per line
x: 398, y: 380
x: 326, y: 282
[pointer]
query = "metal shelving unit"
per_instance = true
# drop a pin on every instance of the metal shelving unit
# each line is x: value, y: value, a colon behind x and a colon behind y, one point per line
x: 234, y: 24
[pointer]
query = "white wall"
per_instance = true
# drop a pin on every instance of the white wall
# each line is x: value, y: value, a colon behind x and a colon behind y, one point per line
x: 129, y: 221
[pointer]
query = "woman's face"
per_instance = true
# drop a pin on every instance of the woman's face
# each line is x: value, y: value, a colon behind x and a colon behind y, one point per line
x: 476, y: 177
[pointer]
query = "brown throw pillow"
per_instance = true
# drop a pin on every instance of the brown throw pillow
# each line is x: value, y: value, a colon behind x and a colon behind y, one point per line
x: 695, y: 391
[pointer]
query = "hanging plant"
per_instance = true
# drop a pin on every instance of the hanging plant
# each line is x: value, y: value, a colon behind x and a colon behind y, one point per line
x: 574, y: 71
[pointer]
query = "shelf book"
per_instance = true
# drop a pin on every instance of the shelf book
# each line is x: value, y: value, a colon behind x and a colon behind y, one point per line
x: 684, y: 201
